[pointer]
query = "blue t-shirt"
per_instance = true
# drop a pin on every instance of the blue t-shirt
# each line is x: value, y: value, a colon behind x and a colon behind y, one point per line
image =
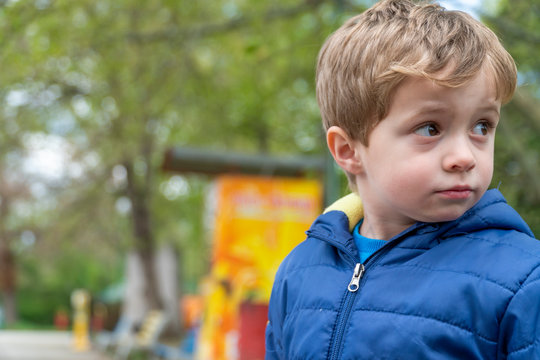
x: 366, y: 246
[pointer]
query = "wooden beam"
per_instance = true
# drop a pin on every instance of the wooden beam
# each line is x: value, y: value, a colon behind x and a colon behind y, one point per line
x: 193, y: 160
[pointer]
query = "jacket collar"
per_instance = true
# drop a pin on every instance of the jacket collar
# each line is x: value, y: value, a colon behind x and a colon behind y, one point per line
x: 491, y: 212
x: 351, y: 206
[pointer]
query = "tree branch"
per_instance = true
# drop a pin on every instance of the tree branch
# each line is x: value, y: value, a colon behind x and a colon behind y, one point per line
x: 180, y: 35
x: 529, y: 106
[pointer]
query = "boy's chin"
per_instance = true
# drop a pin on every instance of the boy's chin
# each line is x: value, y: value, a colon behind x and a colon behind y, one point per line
x: 446, y: 216
x: 449, y: 211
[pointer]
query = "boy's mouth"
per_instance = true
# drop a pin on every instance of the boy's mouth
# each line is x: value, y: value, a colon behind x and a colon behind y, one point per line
x: 457, y: 192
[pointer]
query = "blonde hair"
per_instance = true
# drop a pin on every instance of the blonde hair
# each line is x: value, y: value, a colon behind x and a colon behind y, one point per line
x: 364, y: 61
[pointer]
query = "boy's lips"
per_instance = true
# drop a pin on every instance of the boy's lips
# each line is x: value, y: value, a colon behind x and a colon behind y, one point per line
x: 456, y: 192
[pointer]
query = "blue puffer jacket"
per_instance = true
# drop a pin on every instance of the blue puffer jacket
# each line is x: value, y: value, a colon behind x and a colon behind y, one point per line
x: 466, y: 289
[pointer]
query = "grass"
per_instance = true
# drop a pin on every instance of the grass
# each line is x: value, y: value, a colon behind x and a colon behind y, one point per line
x: 27, y: 325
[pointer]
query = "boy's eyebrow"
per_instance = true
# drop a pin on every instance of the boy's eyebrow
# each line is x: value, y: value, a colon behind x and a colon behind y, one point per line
x: 430, y: 108
x: 491, y: 107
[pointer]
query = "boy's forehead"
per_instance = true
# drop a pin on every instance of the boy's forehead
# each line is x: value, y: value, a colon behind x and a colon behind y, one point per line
x: 445, y: 77
x: 421, y: 95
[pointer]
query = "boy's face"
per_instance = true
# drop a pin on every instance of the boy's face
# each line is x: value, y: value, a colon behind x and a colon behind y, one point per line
x: 431, y: 158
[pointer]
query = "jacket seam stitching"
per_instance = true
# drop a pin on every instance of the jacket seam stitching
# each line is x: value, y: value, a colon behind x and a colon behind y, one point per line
x: 477, y: 210
x: 294, y: 311
x: 300, y: 268
x: 472, y: 274
x: 503, y: 244
x: 317, y: 308
x: 332, y: 239
x: 398, y: 246
x: 461, y: 327
x: 523, y: 348
x: 521, y: 286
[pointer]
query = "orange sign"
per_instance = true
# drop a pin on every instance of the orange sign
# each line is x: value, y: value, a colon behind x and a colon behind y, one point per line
x: 258, y: 222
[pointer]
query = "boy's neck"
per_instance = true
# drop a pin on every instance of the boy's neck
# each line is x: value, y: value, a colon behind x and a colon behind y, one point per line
x: 382, y: 229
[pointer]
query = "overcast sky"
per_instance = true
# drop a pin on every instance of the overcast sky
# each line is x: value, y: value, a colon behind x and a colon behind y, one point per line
x: 464, y: 5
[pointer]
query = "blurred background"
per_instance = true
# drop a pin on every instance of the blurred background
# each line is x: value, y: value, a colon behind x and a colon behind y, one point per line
x: 149, y: 152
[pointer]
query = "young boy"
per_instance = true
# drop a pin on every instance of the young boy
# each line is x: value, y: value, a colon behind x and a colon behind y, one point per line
x: 431, y: 264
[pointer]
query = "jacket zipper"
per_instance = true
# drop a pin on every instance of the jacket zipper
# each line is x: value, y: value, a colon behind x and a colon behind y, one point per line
x: 346, y: 308
x: 350, y: 295
x: 344, y: 313
x: 357, y: 275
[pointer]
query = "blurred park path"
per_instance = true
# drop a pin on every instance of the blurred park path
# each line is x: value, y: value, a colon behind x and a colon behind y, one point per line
x: 42, y: 345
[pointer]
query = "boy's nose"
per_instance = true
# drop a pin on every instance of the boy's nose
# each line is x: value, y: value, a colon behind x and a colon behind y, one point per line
x: 459, y: 158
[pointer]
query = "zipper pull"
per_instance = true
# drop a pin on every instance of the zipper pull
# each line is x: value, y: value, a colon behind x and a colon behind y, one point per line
x: 357, y: 275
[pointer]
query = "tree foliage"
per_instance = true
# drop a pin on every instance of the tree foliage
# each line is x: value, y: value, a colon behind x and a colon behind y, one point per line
x: 517, y: 162
x: 116, y: 82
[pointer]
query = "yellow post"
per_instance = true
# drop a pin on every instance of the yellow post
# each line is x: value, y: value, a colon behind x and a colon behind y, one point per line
x: 80, y: 300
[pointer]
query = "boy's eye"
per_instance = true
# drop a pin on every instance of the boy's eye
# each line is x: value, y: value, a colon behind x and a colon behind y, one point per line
x: 481, y: 128
x: 427, y: 130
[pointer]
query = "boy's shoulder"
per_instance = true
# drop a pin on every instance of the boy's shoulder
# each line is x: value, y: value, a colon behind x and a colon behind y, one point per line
x: 493, y: 220
x: 491, y: 242
x: 328, y: 241
x: 492, y: 211
x: 491, y: 232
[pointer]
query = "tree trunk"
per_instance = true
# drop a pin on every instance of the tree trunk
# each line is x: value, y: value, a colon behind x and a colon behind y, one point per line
x: 7, y: 265
x: 7, y: 281
x: 144, y: 240
x: 10, y: 307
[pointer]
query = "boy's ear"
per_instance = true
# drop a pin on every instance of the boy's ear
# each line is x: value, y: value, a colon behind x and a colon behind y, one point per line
x: 344, y: 150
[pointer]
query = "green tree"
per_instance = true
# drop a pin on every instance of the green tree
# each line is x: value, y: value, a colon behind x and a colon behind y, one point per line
x: 17, y: 192
x: 123, y: 80
x: 517, y: 167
